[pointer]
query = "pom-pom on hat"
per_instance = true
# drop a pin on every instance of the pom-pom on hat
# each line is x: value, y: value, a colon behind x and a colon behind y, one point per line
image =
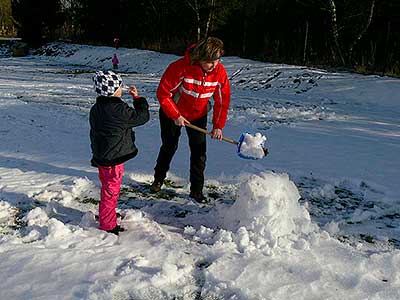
x: 106, y: 83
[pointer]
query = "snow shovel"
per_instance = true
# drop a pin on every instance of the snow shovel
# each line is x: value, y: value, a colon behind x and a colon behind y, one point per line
x: 231, y: 141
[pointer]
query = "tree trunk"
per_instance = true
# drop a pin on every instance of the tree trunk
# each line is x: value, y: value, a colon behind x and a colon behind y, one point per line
x: 244, y: 36
x: 335, y: 32
x: 305, y: 43
x: 198, y: 26
x: 196, y: 9
x: 209, y: 19
x: 385, y: 58
x: 363, y: 31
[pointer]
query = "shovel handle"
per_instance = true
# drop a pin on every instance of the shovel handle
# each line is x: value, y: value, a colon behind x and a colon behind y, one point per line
x: 225, y: 139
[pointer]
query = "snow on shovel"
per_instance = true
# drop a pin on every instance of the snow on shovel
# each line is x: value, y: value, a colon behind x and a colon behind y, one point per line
x: 248, y: 146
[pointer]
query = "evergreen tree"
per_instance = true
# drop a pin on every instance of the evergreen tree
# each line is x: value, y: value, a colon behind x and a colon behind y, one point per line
x: 37, y: 20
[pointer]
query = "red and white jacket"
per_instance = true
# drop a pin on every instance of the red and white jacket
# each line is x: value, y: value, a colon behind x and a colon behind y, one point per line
x: 185, y: 90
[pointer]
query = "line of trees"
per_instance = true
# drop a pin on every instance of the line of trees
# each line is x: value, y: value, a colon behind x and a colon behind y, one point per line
x: 362, y: 35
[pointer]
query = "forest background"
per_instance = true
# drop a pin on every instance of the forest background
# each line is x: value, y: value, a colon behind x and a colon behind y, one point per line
x: 363, y: 36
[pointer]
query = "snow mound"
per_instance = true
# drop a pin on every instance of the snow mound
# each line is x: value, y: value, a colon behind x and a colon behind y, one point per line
x: 266, y: 210
x: 99, y: 57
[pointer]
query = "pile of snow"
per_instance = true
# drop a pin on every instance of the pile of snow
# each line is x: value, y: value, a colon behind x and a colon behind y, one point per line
x: 269, y: 249
x: 265, y: 215
x: 267, y: 205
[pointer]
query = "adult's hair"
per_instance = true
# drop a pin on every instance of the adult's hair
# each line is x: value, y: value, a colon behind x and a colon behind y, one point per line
x: 207, y: 49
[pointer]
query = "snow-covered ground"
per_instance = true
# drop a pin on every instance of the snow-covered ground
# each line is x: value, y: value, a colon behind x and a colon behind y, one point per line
x: 318, y: 218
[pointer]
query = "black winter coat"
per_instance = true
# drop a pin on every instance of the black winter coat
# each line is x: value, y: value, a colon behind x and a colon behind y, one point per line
x: 111, y: 135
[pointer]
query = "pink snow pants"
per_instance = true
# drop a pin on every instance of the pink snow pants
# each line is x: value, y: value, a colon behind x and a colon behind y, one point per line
x: 111, y: 178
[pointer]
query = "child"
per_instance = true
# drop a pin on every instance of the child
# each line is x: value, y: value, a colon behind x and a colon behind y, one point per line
x: 112, y: 140
x: 115, y: 61
x: 116, y: 42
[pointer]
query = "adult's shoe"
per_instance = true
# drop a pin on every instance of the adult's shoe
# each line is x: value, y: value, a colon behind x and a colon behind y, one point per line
x: 156, y: 186
x: 198, y: 197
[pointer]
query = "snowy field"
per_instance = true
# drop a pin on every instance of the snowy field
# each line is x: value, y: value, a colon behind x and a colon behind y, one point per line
x: 318, y: 218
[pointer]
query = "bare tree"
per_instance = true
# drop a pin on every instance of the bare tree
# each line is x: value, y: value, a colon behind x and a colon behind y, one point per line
x: 363, y: 30
x: 194, y: 5
x: 203, y: 10
x: 209, y: 14
x: 305, y: 43
x: 209, y: 18
x: 334, y: 30
x: 345, y: 31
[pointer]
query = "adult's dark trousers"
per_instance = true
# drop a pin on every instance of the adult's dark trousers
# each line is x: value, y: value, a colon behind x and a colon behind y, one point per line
x: 170, y: 134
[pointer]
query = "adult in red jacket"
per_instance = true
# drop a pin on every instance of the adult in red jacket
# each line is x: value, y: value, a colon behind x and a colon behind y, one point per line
x: 184, y: 94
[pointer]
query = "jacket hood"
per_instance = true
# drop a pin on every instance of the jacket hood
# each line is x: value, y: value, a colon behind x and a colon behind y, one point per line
x: 187, y: 53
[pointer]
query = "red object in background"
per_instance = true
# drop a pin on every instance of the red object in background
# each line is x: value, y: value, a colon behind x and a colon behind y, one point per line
x: 116, y: 42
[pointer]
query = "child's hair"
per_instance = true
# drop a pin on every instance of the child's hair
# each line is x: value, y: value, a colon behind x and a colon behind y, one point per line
x: 207, y: 49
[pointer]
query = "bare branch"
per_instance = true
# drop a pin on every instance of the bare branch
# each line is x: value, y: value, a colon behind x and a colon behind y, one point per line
x: 364, y: 30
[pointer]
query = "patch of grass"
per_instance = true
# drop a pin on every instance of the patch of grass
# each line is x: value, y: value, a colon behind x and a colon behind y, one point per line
x: 164, y: 194
x: 172, y: 184
x: 367, y: 238
x: 88, y: 200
